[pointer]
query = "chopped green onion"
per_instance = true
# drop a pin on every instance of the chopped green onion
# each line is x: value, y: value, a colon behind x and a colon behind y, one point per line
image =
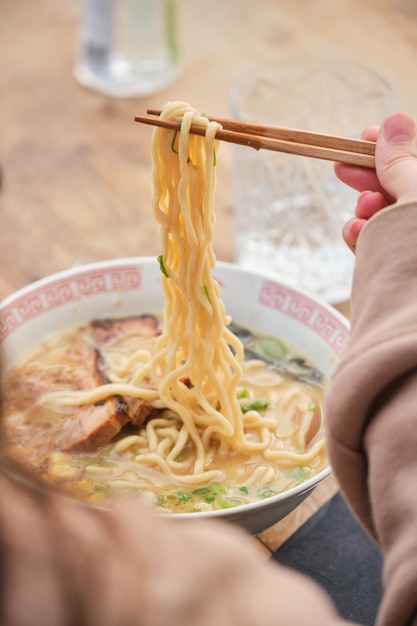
x: 242, y: 392
x: 162, y: 266
x: 217, y: 489
x: 312, y: 406
x: 206, y: 292
x: 257, y: 405
x: 266, y: 492
x: 244, y: 490
x: 203, y: 491
x: 183, y: 496
x: 173, y: 143
x: 272, y: 348
x: 102, y: 489
x: 228, y: 503
x: 300, y: 473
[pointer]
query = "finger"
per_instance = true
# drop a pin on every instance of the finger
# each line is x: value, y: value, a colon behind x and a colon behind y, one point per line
x: 396, y: 157
x: 359, y: 178
x: 356, y: 177
x: 370, y: 133
x: 351, y: 232
x: 369, y: 203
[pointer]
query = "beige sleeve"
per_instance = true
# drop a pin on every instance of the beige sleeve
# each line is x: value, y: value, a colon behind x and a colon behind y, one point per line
x: 371, y: 406
x: 66, y: 563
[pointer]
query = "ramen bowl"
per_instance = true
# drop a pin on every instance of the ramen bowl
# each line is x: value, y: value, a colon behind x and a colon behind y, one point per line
x: 123, y: 287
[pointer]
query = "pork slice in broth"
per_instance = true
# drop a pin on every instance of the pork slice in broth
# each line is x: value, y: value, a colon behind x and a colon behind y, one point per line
x: 107, y: 330
x: 92, y: 426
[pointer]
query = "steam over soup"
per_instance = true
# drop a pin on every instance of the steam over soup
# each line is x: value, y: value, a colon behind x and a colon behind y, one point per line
x: 72, y: 417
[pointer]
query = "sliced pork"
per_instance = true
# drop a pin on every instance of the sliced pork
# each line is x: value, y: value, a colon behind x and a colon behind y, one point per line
x: 107, y: 330
x: 96, y: 424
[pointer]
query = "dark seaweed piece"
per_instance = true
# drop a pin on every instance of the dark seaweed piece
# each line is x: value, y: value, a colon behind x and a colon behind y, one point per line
x: 292, y: 367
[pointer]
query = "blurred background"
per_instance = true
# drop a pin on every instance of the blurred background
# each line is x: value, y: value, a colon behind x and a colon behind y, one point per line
x: 76, y: 167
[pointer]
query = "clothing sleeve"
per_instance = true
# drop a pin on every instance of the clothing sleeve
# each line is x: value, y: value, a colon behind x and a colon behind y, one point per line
x: 371, y: 404
x: 68, y: 564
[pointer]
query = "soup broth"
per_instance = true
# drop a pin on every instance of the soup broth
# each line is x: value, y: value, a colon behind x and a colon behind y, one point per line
x: 51, y: 437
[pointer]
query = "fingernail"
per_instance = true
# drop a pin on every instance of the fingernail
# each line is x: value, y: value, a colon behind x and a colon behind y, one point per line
x: 398, y: 128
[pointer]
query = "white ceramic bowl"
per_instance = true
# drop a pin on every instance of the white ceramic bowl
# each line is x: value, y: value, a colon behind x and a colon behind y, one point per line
x: 128, y: 286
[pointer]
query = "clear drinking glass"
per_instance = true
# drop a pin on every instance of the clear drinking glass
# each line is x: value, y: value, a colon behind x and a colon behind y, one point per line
x: 289, y: 210
x: 128, y: 47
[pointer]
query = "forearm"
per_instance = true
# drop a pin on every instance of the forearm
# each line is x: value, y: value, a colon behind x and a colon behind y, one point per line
x: 372, y: 402
x: 391, y: 447
x: 66, y: 563
x: 55, y: 560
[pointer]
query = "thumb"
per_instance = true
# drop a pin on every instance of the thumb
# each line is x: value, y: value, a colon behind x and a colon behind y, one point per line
x: 396, y: 157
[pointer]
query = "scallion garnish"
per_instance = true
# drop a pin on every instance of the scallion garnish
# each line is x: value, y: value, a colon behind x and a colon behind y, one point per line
x: 183, y: 496
x: 217, y: 489
x: 257, y: 405
x: 228, y: 503
x: 202, y: 491
x: 205, y: 289
x: 162, y: 266
x: 173, y: 143
x: 272, y: 348
x: 300, y: 473
x: 266, y: 492
x: 242, y: 392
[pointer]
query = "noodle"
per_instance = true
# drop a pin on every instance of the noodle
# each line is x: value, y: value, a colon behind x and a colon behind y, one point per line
x: 195, y: 366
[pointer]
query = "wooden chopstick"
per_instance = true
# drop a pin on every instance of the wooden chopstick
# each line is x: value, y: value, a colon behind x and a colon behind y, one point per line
x: 292, y: 141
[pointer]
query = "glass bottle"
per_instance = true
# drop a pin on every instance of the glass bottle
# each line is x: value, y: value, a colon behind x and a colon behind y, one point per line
x: 128, y: 48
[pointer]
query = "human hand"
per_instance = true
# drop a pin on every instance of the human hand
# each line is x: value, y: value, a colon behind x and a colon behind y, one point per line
x: 393, y: 180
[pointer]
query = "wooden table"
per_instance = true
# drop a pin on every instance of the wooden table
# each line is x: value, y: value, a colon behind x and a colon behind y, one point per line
x: 76, y: 168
